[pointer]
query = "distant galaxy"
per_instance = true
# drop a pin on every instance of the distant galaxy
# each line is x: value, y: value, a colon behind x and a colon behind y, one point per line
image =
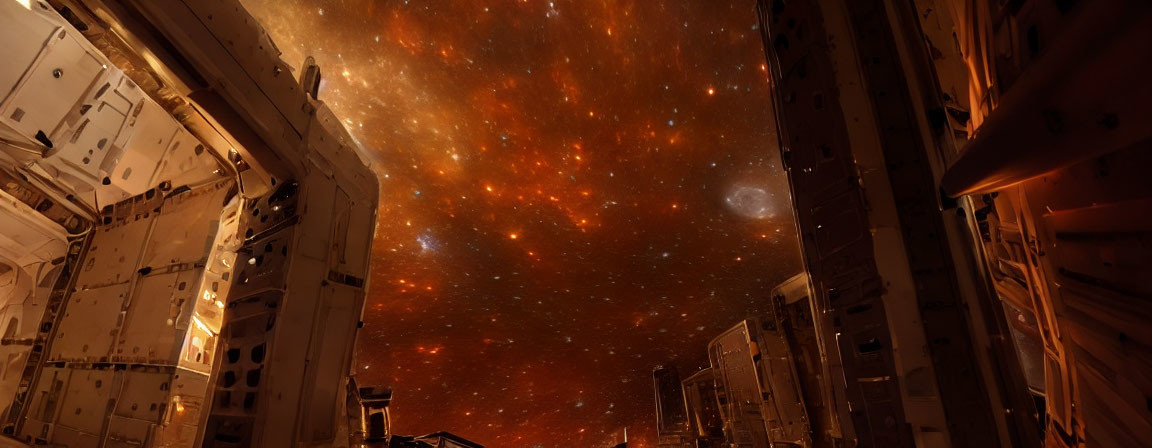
x: 572, y: 193
x: 750, y: 202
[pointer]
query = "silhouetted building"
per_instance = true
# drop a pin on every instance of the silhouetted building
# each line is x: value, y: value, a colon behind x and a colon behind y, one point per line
x: 704, y: 419
x: 738, y: 388
x: 369, y: 420
x: 816, y: 359
x: 671, y: 415
x: 434, y: 440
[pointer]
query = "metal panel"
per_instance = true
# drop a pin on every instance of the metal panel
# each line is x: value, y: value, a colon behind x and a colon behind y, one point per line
x: 738, y: 386
x: 45, y: 402
x: 156, y: 318
x: 88, y: 327
x: 333, y: 343
x: 115, y: 253
x: 145, y: 142
x: 1062, y: 109
x: 53, y: 85
x: 187, y: 161
x: 784, y: 403
x: 101, y: 118
x: 186, y: 227
x: 943, y: 316
x: 703, y: 408
x: 671, y: 417
x: 85, y: 405
x: 127, y: 432
x: 826, y: 192
x: 31, y: 30
x: 28, y: 237
x: 144, y: 394
x: 237, y: 391
x: 181, y: 423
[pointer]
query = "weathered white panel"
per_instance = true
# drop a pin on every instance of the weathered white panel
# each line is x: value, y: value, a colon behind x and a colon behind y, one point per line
x: 99, y: 120
x: 186, y: 162
x: 52, y: 87
x: 24, y: 34
x: 144, y: 143
x: 26, y: 236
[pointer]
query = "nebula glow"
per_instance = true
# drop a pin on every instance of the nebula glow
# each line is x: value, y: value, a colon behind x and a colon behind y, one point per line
x: 554, y: 219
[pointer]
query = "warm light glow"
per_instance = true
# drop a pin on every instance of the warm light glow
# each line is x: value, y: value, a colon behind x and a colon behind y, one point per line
x: 200, y: 325
x: 711, y: 91
x: 513, y: 236
x: 28, y: 4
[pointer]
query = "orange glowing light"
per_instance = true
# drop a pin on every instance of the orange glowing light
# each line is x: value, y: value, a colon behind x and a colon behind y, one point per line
x: 513, y: 236
x: 711, y: 91
x: 578, y: 158
x: 488, y: 187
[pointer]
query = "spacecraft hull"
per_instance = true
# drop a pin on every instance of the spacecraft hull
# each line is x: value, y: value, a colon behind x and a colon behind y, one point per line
x: 187, y: 228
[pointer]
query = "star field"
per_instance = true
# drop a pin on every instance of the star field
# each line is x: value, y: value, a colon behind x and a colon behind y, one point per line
x: 572, y: 193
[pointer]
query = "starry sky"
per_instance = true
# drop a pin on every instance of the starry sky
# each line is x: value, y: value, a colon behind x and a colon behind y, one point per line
x: 572, y: 193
